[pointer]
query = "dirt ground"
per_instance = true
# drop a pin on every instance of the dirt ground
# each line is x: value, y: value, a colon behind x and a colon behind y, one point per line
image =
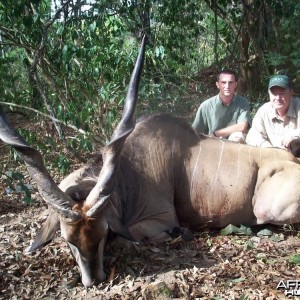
x: 211, y: 266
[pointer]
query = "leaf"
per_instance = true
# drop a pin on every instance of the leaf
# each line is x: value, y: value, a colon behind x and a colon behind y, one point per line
x: 92, y: 26
x: 248, y: 245
x: 237, y: 280
x: 264, y: 232
x: 277, y: 237
x: 27, y: 21
x: 243, y: 230
x: 14, y: 175
x: 155, y: 250
x: 209, y: 242
x: 261, y: 256
x: 229, y: 229
x: 295, y: 259
x: 271, y: 261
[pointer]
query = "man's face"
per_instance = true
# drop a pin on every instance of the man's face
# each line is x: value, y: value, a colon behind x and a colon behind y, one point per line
x: 280, y: 98
x: 226, y: 85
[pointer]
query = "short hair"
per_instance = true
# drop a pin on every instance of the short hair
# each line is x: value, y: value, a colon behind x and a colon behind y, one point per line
x: 228, y: 71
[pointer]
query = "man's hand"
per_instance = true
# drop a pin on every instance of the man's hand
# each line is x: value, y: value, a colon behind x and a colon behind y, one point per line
x: 286, y: 142
x: 266, y: 144
x: 225, y: 132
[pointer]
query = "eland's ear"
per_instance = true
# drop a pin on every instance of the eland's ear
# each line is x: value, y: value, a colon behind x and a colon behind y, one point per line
x: 46, y: 233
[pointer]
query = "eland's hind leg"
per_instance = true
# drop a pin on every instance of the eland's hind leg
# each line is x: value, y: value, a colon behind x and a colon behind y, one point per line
x: 277, y: 200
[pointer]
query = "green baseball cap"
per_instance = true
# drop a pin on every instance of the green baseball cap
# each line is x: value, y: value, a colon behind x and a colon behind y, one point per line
x: 281, y: 80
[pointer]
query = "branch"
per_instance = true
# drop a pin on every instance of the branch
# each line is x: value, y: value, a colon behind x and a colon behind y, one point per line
x: 222, y: 14
x: 216, y: 33
x: 236, y: 38
x: 45, y: 115
x: 15, y: 38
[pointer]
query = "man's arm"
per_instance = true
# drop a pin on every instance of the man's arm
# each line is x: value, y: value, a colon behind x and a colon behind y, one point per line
x: 293, y: 134
x: 242, y: 124
x: 257, y: 135
x: 225, y: 132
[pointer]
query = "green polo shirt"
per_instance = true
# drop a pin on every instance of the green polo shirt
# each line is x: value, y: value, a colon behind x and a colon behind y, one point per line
x: 213, y: 114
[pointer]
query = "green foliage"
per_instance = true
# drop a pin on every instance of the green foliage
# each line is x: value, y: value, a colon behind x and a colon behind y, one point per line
x: 81, y: 144
x: 209, y: 241
x: 295, y: 259
x: 284, y: 56
x: 248, y: 245
x: 15, y: 182
x: 238, y: 280
x: 242, y: 230
x: 62, y: 164
x: 31, y: 138
x: 74, y: 62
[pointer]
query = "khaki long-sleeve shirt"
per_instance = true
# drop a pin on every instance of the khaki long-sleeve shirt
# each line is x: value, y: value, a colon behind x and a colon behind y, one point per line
x: 267, y: 125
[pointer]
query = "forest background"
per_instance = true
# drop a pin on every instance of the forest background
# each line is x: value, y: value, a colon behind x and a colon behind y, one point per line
x: 64, y: 70
x: 68, y: 63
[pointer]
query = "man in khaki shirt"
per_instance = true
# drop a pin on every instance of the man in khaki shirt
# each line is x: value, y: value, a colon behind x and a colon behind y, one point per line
x: 277, y: 123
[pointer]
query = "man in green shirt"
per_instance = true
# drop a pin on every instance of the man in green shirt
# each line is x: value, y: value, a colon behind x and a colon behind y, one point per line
x: 225, y: 115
